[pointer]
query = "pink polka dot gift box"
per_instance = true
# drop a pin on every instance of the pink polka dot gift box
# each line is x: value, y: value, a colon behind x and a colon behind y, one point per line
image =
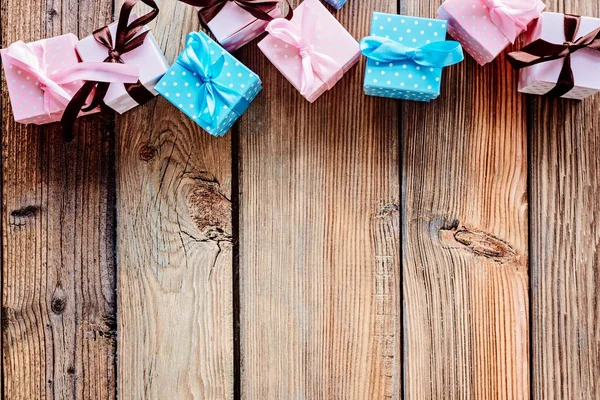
x: 561, y: 57
x: 313, y: 50
x: 486, y: 27
x: 41, y: 77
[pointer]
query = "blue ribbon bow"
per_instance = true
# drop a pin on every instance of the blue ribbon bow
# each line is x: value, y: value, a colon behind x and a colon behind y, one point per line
x: 436, y: 54
x: 196, y: 58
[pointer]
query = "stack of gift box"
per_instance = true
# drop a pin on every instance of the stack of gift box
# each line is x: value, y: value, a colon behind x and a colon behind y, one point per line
x: 62, y: 78
x: 121, y: 66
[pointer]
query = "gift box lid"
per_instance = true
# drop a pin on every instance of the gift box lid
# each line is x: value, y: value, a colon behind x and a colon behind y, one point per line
x: 406, y: 75
x: 330, y: 38
x: 27, y: 97
x: 474, y: 17
x: 148, y: 57
x: 232, y: 19
x: 183, y: 86
x: 584, y: 62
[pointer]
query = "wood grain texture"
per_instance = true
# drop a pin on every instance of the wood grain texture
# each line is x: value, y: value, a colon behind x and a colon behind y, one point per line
x: 174, y: 246
x: 319, y: 268
x: 58, y: 222
x: 565, y: 239
x: 465, y: 239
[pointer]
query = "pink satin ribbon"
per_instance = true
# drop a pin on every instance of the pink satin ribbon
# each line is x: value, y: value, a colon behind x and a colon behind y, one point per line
x: 22, y: 56
x: 302, y: 37
x: 513, y: 16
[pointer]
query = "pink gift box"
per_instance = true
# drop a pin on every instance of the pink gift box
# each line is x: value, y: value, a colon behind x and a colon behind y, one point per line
x: 470, y: 24
x: 149, y: 58
x: 30, y: 103
x: 329, y: 38
x: 541, y: 78
x: 233, y: 27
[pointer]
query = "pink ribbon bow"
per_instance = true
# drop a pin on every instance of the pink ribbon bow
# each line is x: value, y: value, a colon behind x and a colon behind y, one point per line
x: 21, y: 55
x: 513, y: 16
x: 314, y: 63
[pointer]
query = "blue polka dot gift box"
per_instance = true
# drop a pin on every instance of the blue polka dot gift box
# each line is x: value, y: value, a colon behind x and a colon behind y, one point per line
x: 406, y: 56
x: 209, y: 85
x: 337, y: 4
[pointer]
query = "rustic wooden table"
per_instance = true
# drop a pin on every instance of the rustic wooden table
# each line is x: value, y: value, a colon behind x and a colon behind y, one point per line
x: 357, y: 248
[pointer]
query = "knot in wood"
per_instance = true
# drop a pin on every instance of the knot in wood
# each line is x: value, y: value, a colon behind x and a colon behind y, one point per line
x: 147, y: 152
x: 485, y: 245
x: 58, y: 305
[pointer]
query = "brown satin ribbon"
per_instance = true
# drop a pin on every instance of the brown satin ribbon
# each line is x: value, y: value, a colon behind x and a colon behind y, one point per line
x: 257, y: 8
x: 541, y: 51
x: 126, y: 40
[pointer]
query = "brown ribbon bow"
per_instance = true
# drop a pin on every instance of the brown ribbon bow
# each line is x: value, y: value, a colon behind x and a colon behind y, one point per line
x: 541, y: 51
x: 258, y: 8
x: 126, y: 40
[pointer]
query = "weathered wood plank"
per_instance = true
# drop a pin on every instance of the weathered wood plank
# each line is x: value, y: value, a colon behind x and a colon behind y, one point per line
x: 174, y: 246
x: 57, y: 212
x: 465, y: 235
x: 565, y: 241
x: 319, y: 228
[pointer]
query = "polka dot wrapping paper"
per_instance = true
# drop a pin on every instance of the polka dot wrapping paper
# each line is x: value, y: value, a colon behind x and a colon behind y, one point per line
x: 184, y: 89
x: 149, y: 58
x: 337, y: 3
x: 404, y: 79
x: 26, y: 94
x: 470, y: 24
x: 328, y: 38
x: 542, y: 78
x: 234, y: 27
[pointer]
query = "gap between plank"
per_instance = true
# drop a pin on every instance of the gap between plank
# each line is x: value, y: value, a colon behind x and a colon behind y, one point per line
x: 402, y: 217
x: 235, y: 233
x: 2, y: 316
x: 112, y: 182
x: 529, y: 106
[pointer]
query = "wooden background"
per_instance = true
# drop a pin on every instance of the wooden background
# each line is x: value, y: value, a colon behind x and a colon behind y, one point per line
x: 356, y: 248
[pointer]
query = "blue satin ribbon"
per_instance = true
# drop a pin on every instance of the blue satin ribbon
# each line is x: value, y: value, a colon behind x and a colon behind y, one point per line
x: 436, y: 54
x: 196, y: 58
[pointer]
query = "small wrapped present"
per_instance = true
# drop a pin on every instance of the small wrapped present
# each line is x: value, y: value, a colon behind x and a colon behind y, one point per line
x: 127, y: 41
x: 313, y: 51
x: 486, y: 27
x: 406, y: 55
x: 337, y: 4
x: 234, y: 23
x: 209, y: 85
x: 29, y: 67
x: 562, y: 57
x: 42, y: 77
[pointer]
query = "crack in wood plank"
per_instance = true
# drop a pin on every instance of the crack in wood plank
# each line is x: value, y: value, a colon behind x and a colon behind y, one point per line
x: 210, y: 211
x: 386, y: 301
